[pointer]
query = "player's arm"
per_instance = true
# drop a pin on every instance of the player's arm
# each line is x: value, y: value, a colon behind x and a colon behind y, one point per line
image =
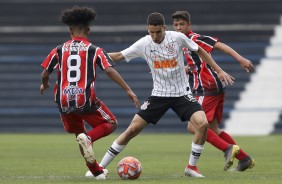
x: 45, y: 81
x: 116, y: 56
x: 114, y: 75
x: 245, y: 63
x: 222, y: 75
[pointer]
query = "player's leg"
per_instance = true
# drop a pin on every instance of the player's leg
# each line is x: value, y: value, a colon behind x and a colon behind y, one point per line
x: 136, y: 126
x: 73, y: 123
x: 245, y: 161
x: 150, y: 112
x: 212, y: 138
x: 188, y: 109
x: 230, y: 150
x: 213, y: 107
x: 198, y: 120
x: 102, y: 121
x: 233, y: 150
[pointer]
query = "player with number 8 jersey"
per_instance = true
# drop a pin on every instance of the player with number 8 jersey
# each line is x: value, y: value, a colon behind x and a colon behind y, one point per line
x: 76, y: 61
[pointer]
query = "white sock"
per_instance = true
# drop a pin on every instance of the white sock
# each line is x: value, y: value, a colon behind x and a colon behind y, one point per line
x: 112, y: 152
x: 195, y: 154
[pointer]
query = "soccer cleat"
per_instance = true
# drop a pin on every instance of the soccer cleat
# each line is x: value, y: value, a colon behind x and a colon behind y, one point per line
x: 229, y: 155
x: 89, y: 174
x: 193, y: 172
x: 246, y: 163
x: 101, y: 176
x: 86, y: 145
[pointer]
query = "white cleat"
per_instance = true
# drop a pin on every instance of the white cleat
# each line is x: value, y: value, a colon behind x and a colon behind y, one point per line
x: 191, y: 173
x: 89, y: 174
x: 102, y: 176
x: 86, y: 145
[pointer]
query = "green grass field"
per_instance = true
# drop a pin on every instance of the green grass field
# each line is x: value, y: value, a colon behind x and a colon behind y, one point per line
x: 55, y: 158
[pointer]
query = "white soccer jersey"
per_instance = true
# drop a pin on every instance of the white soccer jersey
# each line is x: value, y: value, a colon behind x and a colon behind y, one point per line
x: 165, y: 61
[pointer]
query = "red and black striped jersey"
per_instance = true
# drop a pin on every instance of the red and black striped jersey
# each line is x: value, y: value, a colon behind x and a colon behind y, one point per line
x: 202, y: 78
x: 76, y: 61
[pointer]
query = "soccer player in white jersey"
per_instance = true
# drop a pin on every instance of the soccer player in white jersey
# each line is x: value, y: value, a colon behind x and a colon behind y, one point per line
x: 163, y: 52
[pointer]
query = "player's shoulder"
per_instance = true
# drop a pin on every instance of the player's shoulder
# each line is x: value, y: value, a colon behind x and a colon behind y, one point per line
x: 145, y: 38
x: 174, y: 34
x: 142, y: 41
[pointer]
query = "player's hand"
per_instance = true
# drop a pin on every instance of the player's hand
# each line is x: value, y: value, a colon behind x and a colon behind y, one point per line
x: 134, y: 98
x: 247, y: 65
x: 226, y: 78
x: 43, y: 88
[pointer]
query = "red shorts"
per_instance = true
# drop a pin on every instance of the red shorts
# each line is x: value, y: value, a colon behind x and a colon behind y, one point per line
x: 74, y: 122
x: 213, y: 106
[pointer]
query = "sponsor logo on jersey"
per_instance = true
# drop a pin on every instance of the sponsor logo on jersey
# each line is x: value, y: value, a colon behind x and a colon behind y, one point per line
x: 72, y: 92
x: 169, y: 63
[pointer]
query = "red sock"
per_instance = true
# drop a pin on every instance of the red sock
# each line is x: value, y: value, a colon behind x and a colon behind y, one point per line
x: 100, y: 131
x: 225, y: 136
x: 94, y: 168
x: 216, y: 141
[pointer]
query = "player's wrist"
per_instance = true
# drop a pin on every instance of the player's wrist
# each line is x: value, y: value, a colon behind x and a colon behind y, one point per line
x: 45, y: 85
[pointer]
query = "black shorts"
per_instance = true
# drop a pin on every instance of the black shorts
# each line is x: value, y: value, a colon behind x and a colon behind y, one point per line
x: 155, y: 107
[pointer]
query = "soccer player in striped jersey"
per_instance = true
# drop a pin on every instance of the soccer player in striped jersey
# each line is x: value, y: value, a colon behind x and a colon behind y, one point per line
x: 208, y: 89
x: 76, y: 61
x: 163, y: 52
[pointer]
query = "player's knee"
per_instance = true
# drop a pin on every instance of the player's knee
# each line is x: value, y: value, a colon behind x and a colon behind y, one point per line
x: 203, y: 125
x: 114, y: 127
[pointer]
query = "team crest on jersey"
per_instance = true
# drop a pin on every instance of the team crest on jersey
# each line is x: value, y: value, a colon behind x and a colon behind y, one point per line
x: 170, y: 48
x: 72, y: 92
x: 145, y: 105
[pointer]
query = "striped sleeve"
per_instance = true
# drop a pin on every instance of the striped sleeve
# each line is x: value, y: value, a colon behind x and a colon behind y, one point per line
x: 206, y: 42
x: 51, y: 61
x: 103, y: 59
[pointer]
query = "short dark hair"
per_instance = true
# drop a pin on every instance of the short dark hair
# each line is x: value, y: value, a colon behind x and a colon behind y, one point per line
x: 181, y: 14
x: 78, y: 16
x: 155, y: 19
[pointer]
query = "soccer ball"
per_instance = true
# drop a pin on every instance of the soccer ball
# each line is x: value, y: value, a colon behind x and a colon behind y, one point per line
x: 129, y: 168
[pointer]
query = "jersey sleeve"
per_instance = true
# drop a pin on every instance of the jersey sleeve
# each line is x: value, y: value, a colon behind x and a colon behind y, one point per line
x: 134, y: 51
x: 206, y: 42
x: 51, y: 61
x: 188, y: 43
x: 103, y: 59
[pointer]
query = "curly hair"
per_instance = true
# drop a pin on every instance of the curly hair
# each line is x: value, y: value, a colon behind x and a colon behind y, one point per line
x: 78, y: 16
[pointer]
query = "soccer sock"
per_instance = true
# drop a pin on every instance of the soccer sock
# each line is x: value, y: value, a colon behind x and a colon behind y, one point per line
x: 112, y: 152
x: 94, y: 168
x: 216, y: 141
x: 225, y: 136
x: 100, y: 131
x: 195, y: 154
